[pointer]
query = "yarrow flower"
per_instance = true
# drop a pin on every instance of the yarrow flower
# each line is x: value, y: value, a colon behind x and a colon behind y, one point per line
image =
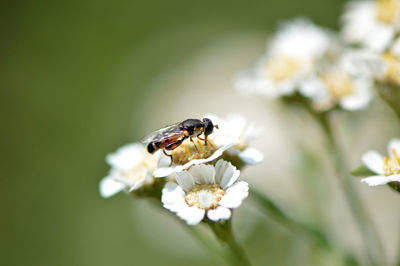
x: 290, y: 56
x: 131, y: 169
x: 386, y: 168
x: 205, y: 190
x: 335, y: 83
x: 372, y: 24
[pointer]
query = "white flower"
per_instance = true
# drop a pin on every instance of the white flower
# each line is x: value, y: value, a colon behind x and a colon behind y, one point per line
x: 373, y: 24
x: 205, y: 190
x: 245, y: 132
x: 290, y: 56
x: 335, y: 83
x: 131, y: 169
x: 199, y: 152
x: 386, y: 168
x: 384, y: 68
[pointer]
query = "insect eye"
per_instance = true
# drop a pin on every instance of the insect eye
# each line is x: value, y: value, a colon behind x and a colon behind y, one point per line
x: 208, y: 126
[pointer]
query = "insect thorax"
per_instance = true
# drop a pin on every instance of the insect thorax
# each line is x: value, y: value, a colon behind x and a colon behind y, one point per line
x: 194, y: 127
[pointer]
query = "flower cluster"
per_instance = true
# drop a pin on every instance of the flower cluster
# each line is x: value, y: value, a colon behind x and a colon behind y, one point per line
x: 328, y: 69
x: 374, y: 26
x: 198, y: 177
x: 312, y: 61
x: 290, y: 57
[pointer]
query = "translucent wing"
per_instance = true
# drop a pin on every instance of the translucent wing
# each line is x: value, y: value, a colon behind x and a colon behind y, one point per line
x: 171, y: 131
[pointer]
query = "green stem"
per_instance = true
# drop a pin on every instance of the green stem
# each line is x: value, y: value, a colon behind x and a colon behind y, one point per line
x: 207, y: 243
x: 390, y: 93
x: 195, y: 231
x: 371, y: 240
x: 223, y: 231
x: 291, y: 223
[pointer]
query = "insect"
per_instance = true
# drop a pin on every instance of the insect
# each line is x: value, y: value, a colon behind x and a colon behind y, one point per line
x: 170, y: 137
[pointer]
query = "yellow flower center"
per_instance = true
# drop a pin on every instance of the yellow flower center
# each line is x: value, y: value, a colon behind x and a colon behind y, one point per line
x: 281, y: 68
x: 393, y: 68
x: 387, y: 11
x: 338, y: 83
x: 195, y: 150
x: 392, y: 165
x: 205, y: 196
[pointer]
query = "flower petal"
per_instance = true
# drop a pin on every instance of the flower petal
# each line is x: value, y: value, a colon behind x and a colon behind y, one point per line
x: 251, y: 156
x: 361, y: 97
x: 226, y: 174
x: 376, y: 180
x: 185, y: 180
x: 203, y: 174
x: 220, y: 168
x: 234, y: 195
x: 220, y: 213
x: 395, y: 178
x: 374, y: 161
x: 173, y: 197
x: 192, y: 215
x: 109, y: 187
x: 394, y: 144
x: 172, y: 193
x: 127, y: 156
x: 163, y: 172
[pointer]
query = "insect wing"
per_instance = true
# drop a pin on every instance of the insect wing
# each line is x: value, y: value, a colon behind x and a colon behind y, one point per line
x: 171, y: 131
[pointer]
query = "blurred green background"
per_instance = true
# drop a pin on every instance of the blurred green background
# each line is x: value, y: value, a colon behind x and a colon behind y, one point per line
x: 73, y: 78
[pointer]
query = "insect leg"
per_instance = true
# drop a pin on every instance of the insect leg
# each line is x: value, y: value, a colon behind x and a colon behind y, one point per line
x: 205, y: 140
x: 194, y: 145
x: 169, y: 155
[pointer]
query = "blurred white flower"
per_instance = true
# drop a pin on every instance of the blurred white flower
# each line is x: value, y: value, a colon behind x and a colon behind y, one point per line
x: 335, y: 84
x: 383, y: 68
x: 372, y: 24
x: 290, y: 56
x: 131, y: 169
x: 198, y: 152
x: 205, y: 190
x: 245, y: 132
x: 386, y: 168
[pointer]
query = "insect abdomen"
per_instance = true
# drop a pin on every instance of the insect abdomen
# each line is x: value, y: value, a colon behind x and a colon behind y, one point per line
x: 151, y: 147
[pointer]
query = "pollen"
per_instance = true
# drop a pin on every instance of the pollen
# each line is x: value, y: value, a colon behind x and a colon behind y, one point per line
x: 187, y: 151
x: 339, y: 84
x: 282, y: 68
x: 392, y: 165
x: 387, y: 11
x: 206, y: 196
